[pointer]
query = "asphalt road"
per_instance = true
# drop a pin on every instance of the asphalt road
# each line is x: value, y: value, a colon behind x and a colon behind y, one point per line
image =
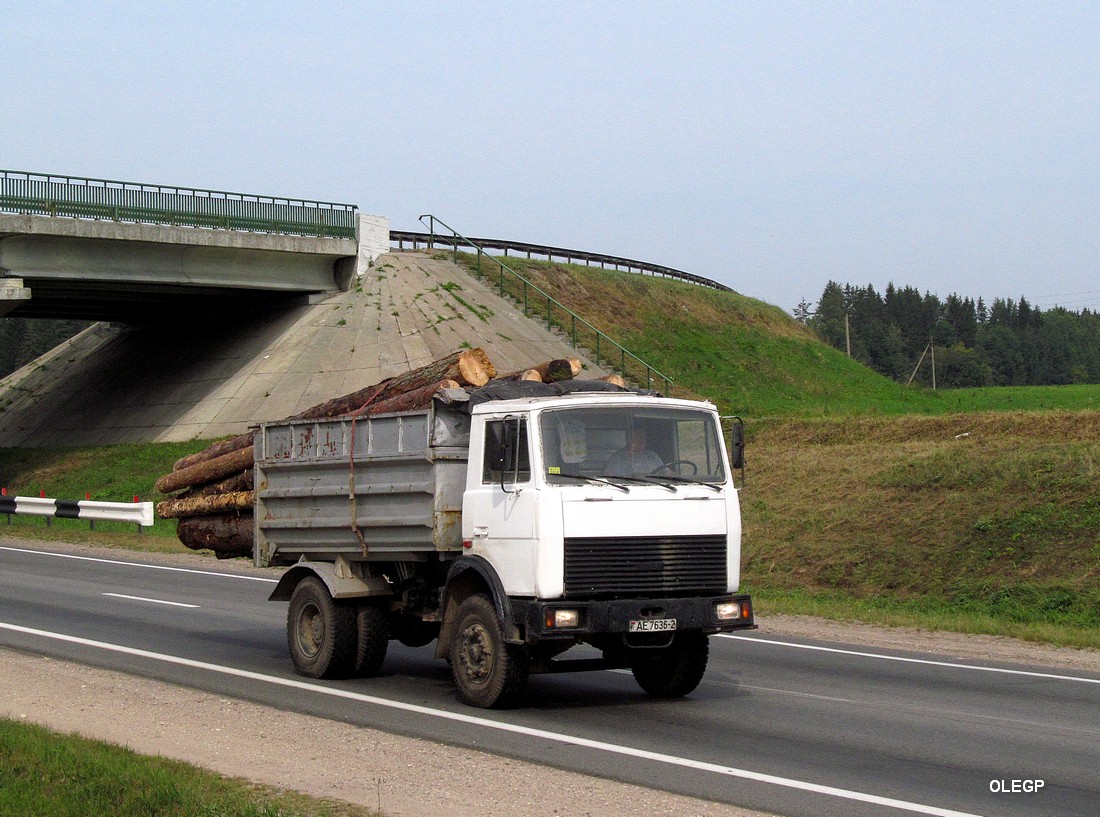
x: 799, y: 728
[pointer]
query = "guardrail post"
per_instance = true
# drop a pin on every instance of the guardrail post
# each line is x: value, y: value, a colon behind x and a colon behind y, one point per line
x: 431, y: 232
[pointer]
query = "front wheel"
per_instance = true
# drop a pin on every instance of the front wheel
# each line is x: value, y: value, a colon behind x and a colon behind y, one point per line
x: 675, y: 670
x: 320, y: 632
x: 488, y: 671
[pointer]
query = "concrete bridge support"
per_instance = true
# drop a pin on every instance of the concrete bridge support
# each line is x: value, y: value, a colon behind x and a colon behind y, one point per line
x: 12, y: 294
x: 114, y: 384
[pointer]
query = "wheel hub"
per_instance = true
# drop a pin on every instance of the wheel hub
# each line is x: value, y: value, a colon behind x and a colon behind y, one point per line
x: 311, y: 630
x: 476, y: 655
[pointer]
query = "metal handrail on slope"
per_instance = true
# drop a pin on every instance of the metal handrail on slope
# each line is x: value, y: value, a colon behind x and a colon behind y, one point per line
x: 569, y: 256
x: 573, y: 325
x: 103, y: 199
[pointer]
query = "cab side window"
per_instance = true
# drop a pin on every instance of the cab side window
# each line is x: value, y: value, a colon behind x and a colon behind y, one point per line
x: 506, y: 454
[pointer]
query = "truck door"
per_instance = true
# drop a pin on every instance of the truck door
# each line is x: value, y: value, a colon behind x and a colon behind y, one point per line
x: 499, y: 510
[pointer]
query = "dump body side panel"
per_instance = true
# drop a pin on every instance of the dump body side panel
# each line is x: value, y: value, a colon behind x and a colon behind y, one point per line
x: 376, y: 488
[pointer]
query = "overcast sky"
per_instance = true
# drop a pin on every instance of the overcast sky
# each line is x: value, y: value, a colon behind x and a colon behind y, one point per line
x: 771, y: 146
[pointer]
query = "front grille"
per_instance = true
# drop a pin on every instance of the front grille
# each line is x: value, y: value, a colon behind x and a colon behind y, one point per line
x: 644, y: 565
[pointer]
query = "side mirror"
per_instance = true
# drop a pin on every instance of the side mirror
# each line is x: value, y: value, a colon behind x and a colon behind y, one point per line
x: 737, y: 444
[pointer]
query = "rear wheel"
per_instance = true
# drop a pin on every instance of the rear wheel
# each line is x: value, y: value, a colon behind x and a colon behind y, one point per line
x: 372, y: 628
x: 488, y: 671
x: 320, y: 632
x: 675, y: 670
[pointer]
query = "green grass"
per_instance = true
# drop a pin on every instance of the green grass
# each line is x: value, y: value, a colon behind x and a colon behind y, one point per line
x: 112, y: 474
x: 923, y: 614
x: 996, y: 531
x: 49, y: 775
x: 1021, y: 398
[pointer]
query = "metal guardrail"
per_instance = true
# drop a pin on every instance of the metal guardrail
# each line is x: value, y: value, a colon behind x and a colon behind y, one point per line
x: 550, y: 253
x: 580, y: 332
x: 137, y: 513
x: 77, y: 197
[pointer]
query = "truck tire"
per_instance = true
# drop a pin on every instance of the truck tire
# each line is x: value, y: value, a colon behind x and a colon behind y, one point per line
x: 488, y: 671
x: 372, y: 627
x: 675, y: 670
x: 320, y: 632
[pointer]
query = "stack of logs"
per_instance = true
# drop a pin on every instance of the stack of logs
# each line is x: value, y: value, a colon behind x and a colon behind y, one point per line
x: 214, y: 506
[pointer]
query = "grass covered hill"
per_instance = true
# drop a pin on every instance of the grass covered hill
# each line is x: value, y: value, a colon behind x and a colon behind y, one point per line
x: 748, y: 357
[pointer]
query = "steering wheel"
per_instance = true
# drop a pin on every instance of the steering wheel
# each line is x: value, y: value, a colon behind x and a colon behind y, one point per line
x: 668, y: 465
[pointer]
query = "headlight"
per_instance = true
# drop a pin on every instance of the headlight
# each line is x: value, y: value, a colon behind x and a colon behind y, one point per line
x: 733, y: 610
x: 559, y: 619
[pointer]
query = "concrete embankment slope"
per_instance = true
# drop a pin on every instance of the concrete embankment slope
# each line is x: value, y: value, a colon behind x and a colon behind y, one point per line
x: 208, y: 379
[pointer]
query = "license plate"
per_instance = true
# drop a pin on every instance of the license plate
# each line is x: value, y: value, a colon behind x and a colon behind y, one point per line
x: 652, y: 625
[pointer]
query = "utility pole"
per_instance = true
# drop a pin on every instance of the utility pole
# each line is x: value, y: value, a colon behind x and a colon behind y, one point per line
x: 847, y: 335
x: 932, y: 345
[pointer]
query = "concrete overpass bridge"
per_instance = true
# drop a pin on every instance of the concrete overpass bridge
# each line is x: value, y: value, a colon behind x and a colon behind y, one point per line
x: 94, y: 249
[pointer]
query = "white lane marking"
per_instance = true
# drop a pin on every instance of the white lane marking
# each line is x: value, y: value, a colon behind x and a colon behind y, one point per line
x: 151, y: 601
x: 556, y: 737
x: 140, y: 564
x: 902, y: 659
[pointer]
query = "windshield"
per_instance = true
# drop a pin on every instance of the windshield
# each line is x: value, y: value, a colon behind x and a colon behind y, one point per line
x: 631, y: 444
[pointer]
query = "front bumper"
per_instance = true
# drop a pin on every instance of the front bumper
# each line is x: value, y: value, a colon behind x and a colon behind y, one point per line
x: 615, y: 615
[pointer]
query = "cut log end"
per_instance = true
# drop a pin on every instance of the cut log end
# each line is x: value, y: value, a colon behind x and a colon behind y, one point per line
x: 475, y: 368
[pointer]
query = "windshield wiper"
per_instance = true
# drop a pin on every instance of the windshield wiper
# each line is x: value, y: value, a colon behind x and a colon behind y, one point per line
x: 587, y: 478
x: 645, y: 480
x: 690, y: 481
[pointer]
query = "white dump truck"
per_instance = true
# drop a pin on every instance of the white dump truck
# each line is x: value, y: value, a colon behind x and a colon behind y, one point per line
x: 507, y: 525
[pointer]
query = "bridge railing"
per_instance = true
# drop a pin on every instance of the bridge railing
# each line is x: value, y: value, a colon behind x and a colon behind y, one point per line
x: 77, y: 197
x: 550, y: 253
x: 537, y: 302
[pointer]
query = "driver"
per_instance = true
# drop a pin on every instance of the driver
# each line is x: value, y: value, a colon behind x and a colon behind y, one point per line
x: 634, y: 459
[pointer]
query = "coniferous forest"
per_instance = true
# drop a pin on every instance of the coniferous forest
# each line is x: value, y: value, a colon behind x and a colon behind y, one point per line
x: 1007, y: 343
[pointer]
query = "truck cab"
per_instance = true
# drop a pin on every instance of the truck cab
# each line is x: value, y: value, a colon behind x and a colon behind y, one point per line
x: 609, y: 519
